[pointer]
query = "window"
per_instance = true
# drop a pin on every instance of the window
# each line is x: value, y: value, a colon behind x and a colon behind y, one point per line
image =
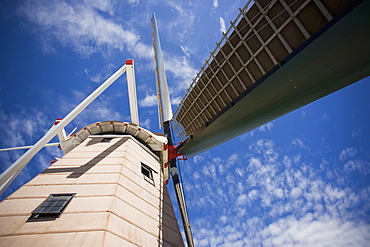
x: 147, y: 171
x: 52, y: 207
x: 106, y: 139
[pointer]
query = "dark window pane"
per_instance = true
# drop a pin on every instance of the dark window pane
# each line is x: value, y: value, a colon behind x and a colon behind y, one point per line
x: 52, y: 207
x: 43, y: 209
x: 147, y: 171
x: 106, y: 139
x: 48, y: 204
x: 55, y: 209
x: 60, y: 203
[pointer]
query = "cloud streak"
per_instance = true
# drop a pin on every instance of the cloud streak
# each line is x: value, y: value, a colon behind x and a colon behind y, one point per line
x: 81, y: 27
x: 222, y: 25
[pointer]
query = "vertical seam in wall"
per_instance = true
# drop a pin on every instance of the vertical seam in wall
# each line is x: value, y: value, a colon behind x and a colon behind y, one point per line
x: 160, y: 209
x: 114, y: 196
x: 146, y: 211
x: 104, y: 234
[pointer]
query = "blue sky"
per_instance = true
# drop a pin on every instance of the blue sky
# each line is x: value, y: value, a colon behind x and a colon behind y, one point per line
x: 301, y: 180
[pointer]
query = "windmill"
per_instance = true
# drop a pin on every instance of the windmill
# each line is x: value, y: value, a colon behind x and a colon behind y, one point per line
x: 210, y: 112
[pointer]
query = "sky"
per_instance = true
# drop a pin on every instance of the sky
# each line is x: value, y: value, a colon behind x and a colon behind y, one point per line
x: 300, y: 180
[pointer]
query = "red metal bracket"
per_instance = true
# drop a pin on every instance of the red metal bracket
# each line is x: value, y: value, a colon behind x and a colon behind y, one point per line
x: 172, y: 154
x: 57, y: 121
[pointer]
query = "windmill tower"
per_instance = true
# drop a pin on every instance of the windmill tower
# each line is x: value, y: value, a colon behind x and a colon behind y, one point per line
x: 276, y: 57
x: 109, y: 190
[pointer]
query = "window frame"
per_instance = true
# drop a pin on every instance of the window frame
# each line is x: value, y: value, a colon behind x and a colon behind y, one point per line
x: 106, y: 139
x: 52, y: 207
x: 149, y: 171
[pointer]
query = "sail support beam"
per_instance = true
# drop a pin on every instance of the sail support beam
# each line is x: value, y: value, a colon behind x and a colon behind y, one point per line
x: 13, y: 171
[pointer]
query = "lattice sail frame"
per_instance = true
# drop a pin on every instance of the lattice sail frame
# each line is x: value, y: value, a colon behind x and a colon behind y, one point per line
x: 261, y: 36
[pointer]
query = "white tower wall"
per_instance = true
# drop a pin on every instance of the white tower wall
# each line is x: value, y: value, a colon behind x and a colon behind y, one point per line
x: 115, y: 203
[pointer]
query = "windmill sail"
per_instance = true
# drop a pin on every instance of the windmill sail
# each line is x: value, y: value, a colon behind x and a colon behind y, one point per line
x: 165, y: 114
x: 163, y: 95
x: 274, y: 58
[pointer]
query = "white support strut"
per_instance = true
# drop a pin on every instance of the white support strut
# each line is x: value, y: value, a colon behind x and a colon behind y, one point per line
x: 12, y: 172
x: 131, y: 84
x: 62, y: 134
x: 28, y: 147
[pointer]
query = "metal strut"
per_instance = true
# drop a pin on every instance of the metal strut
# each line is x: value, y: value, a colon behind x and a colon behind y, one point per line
x: 178, y: 188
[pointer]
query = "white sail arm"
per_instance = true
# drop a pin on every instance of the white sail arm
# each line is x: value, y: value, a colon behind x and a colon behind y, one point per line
x: 164, y: 103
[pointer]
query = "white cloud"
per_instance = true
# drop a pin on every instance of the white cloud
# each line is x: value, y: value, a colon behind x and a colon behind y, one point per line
x: 357, y: 132
x: 296, y: 192
x: 148, y: 101
x: 103, y: 5
x: 232, y: 159
x: 186, y: 50
x: 347, y: 153
x: 19, y: 129
x: 210, y: 170
x: 223, y: 219
x: 266, y: 127
x: 307, y: 231
x: 215, y: 4
x: 298, y: 143
x: 142, y: 50
x: 81, y: 27
x: 102, y: 75
x: 222, y: 25
x: 176, y: 101
x: 133, y: 1
x: 253, y: 194
x: 100, y: 109
x: 145, y: 123
x: 287, y: 232
x: 239, y: 171
x: 285, y: 190
x: 357, y: 165
x: 198, y: 158
x: 181, y: 69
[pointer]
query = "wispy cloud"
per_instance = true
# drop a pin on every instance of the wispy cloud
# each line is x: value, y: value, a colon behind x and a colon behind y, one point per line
x: 102, y: 75
x: 222, y: 25
x: 347, y: 153
x: 100, y: 109
x: 181, y: 69
x: 176, y: 100
x: 148, y: 101
x: 151, y: 100
x: 145, y: 123
x: 266, y: 127
x: 82, y: 27
x: 18, y: 129
x: 215, y: 4
x: 298, y: 143
x: 90, y: 27
x: 356, y: 132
